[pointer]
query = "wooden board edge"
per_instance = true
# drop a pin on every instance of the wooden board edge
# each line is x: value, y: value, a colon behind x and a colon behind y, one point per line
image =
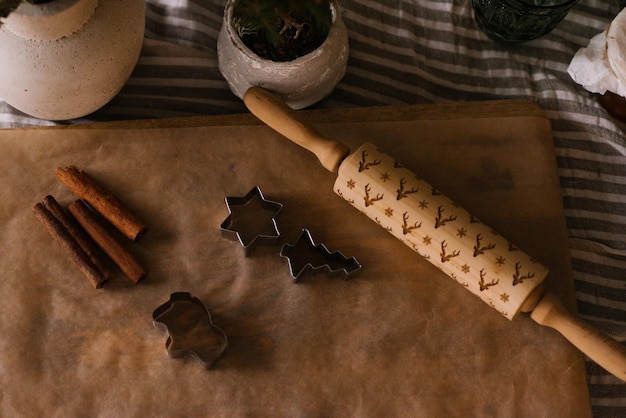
x: 438, y: 111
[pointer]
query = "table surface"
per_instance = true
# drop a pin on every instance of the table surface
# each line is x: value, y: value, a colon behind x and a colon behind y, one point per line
x: 431, y: 52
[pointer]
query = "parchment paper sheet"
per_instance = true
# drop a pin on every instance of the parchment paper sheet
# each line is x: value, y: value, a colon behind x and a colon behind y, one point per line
x: 400, y: 339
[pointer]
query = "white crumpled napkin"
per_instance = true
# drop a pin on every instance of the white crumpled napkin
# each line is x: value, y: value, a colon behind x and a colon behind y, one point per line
x: 601, y: 66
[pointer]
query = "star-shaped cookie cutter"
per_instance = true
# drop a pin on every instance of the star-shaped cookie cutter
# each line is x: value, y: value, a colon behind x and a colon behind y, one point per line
x: 252, y: 220
x: 305, y: 255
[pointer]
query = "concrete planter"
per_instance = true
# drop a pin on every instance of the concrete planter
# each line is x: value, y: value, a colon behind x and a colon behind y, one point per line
x: 68, y: 58
x: 300, y: 82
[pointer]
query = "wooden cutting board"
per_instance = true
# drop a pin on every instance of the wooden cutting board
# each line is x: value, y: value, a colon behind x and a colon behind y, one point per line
x: 400, y: 339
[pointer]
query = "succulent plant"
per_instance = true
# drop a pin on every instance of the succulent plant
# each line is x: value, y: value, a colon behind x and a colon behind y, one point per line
x: 280, y: 29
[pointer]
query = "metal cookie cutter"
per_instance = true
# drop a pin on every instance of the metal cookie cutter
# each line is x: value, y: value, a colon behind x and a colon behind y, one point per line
x: 304, y: 255
x: 190, y: 328
x: 252, y: 220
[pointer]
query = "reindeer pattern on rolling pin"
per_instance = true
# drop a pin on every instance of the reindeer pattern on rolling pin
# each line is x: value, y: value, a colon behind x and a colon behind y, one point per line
x: 438, y: 229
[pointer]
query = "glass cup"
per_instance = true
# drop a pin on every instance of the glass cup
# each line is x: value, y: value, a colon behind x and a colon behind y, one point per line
x: 519, y: 20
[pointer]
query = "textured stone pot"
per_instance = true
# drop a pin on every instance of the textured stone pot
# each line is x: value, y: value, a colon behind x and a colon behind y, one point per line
x: 300, y: 82
x: 68, y: 58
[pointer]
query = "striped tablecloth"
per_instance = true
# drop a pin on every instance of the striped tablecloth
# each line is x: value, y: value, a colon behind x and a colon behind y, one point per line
x: 426, y: 51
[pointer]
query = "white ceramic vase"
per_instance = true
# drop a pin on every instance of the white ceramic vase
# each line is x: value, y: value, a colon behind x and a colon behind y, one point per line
x: 300, y: 82
x: 67, y: 58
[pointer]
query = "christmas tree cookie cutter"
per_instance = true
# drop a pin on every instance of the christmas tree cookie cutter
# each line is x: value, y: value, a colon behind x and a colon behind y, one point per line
x: 306, y: 256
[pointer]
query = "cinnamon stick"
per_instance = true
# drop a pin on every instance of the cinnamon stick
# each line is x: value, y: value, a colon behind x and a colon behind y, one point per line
x: 103, y: 201
x: 96, y: 227
x: 69, y: 244
x: 82, y: 239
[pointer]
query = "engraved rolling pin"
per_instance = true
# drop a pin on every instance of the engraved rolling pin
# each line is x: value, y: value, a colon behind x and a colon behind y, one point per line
x: 435, y: 227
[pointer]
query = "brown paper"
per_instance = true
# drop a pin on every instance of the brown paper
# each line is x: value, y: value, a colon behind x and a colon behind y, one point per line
x: 400, y: 339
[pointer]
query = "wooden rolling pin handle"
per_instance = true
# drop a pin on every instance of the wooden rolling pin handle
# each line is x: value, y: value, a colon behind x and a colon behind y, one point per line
x: 284, y: 120
x: 601, y: 348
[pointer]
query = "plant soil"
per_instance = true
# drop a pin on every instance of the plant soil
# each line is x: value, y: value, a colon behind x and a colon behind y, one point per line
x: 288, y: 48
